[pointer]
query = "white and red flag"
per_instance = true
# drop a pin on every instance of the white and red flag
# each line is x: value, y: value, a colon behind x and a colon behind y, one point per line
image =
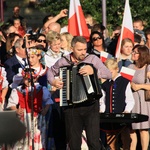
x: 127, y: 28
x: 127, y: 73
x: 76, y: 24
x: 104, y: 56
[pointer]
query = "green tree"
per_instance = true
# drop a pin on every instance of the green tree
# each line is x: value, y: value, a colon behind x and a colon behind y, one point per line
x: 115, y: 9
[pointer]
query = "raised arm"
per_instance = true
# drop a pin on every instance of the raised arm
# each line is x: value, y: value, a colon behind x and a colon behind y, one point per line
x: 63, y: 13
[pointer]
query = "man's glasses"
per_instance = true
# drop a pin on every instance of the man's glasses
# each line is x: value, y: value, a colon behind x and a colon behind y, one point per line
x: 97, y: 38
x: 40, y: 41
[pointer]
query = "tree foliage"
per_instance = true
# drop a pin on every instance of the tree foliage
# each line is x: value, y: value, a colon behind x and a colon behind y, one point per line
x: 115, y: 9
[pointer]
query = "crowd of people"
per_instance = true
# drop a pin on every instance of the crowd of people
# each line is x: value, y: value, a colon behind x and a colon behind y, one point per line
x: 30, y: 83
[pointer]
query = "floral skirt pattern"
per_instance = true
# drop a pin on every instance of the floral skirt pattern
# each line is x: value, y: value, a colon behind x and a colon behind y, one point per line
x: 35, y: 133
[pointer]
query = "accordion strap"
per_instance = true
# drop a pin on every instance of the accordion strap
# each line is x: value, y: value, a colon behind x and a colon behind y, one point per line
x: 70, y: 61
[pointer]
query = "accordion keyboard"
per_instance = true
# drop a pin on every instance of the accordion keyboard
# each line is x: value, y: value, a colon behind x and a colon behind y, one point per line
x: 63, y: 91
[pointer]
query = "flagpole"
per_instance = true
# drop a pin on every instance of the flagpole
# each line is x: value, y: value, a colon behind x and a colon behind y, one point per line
x: 122, y: 28
x: 121, y: 34
x: 104, y: 18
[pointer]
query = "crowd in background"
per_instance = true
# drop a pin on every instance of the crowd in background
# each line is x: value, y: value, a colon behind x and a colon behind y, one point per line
x: 21, y: 45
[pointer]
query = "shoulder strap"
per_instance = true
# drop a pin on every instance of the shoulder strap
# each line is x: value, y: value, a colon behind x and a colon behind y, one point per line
x: 146, y: 73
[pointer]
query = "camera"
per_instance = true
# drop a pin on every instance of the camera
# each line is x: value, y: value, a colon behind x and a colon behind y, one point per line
x: 32, y: 36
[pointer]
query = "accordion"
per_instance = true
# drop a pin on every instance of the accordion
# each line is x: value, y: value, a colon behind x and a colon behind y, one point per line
x: 78, y: 88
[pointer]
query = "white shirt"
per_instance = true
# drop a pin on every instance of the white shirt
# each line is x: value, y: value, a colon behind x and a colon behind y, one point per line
x: 64, y: 29
x: 3, y: 74
x: 51, y: 57
x: 22, y: 63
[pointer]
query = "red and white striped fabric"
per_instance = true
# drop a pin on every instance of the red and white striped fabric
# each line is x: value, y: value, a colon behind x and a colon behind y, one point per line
x: 104, y: 56
x: 127, y: 28
x: 127, y: 73
x: 76, y: 24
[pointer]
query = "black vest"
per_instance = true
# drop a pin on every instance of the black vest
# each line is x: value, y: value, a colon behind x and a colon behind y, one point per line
x: 116, y: 97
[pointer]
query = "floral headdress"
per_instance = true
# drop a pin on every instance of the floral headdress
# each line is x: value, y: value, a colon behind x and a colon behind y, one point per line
x: 34, y: 51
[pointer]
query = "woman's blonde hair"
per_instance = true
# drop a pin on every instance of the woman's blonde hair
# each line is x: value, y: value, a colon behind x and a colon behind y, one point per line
x: 52, y: 36
x: 68, y: 37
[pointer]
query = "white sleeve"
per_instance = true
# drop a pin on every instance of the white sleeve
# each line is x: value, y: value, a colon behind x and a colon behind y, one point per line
x: 102, y: 101
x: 47, y: 96
x: 129, y: 98
x: 5, y: 82
x: 17, y: 79
x: 13, y: 99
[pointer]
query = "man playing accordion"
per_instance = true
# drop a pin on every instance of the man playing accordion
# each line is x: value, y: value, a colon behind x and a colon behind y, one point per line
x: 84, y: 115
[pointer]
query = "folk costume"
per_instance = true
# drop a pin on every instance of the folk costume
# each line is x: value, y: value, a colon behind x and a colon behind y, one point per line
x: 22, y: 96
x: 25, y: 98
x: 117, y: 98
x: 3, y: 84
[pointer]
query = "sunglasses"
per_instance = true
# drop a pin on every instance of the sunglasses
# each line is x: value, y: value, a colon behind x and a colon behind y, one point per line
x: 97, y: 38
x: 40, y: 41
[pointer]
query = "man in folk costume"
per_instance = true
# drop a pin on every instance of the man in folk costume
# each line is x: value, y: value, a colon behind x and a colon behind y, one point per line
x: 22, y: 99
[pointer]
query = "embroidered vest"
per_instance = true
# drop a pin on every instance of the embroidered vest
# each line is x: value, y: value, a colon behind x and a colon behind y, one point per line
x: 25, y: 100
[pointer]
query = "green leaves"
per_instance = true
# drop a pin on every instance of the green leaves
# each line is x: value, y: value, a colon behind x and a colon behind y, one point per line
x: 115, y: 9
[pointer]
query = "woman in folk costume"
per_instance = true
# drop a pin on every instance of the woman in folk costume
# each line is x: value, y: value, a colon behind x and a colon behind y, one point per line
x: 3, y: 87
x: 22, y: 99
x: 34, y: 57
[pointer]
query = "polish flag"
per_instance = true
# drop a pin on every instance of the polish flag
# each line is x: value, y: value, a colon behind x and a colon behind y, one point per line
x: 104, y: 56
x: 127, y: 28
x: 76, y: 24
x: 127, y: 73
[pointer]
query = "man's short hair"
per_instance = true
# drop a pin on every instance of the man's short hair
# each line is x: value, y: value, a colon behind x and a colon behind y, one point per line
x: 18, y: 43
x: 76, y: 39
